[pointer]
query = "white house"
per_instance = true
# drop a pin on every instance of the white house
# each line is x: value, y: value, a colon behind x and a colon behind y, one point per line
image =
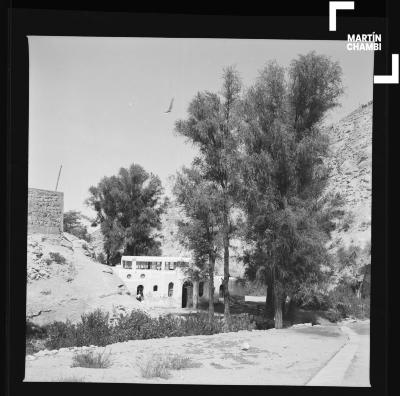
x: 163, y: 280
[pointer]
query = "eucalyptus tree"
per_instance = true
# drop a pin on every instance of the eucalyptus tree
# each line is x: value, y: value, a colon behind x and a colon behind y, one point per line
x: 200, y: 229
x: 212, y: 126
x: 283, y: 172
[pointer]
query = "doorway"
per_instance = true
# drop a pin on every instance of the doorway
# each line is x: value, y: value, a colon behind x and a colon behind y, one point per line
x: 187, y: 294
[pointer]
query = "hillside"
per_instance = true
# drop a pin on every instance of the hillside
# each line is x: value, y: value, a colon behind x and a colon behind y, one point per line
x: 64, y: 281
x: 351, y: 172
x: 351, y: 165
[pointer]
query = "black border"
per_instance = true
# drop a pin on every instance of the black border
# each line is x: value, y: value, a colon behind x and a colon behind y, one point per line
x: 44, y: 22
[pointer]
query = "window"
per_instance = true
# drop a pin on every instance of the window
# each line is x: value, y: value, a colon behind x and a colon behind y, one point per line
x: 170, y: 289
x: 221, y: 291
x: 129, y: 276
x: 127, y: 264
x: 171, y: 266
x: 143, y: 265
x: 201, y: 289
x: 155, y: 288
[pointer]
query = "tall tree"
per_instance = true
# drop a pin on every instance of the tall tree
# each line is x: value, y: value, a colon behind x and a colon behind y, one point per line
x: 200, y: 231
x: 212, y: 125
x: 284, y: 172
x: 129, y: 208
x: 73, y: 225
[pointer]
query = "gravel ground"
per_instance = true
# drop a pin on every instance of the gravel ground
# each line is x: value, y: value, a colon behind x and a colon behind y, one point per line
x: 264, y: 357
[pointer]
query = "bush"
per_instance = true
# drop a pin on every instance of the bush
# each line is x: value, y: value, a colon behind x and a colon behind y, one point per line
x: 91, y: 359
x: 96, y: 328
x: 56, y: 258
x: 35, y: 331
x: 343, y: 300
x: 61, y: 335
x: 333, y: 315
x: 101, y: 258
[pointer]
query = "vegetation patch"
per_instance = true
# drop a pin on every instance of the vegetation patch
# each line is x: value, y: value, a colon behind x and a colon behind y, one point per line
x: 96, y: 328
x: 55, y: 257
x: 90, y: 359
x: 160, y: 365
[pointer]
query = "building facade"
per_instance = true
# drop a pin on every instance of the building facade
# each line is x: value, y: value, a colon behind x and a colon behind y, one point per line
x: 164, y: 281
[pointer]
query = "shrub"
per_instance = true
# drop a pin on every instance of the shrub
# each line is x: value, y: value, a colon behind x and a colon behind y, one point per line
x: 96, y: 328
x: 61, y: 335
x: 344, y: 300
x: 56, y: 257
x: 101, y: 258
x: 154, y: 367
x: 35, y: 331
x: 159, y: 365
x: 90, y: 359
x: 333, y: 315
x: 178, y: 362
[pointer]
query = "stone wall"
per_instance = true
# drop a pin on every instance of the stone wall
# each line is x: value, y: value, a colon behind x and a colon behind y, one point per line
x: 45, y: 211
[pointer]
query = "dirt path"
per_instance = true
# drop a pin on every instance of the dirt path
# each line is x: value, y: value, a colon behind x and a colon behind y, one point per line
x: 350, y: 365
x: 272, y: 357
x: 357, y: 373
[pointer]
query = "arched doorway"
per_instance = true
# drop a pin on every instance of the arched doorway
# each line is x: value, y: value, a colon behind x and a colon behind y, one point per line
x: 140, y: 290
x: 187, y: 294
x: 170, y: 289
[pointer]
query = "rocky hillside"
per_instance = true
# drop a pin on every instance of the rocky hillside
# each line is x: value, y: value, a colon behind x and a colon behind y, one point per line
x: 350, y: 162
x: 351, y: 166
x: 64, y: 281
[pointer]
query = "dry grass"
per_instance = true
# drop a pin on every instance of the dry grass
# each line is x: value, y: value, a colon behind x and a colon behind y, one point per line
x: 90, y: 359
x: 160, y: 365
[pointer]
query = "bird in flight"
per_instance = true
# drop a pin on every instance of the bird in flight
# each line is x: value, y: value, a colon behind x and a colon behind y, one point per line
x: 170, y: 106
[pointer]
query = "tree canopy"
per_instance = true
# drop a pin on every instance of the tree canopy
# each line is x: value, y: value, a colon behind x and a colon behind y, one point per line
x: 284, y: 175
x: 129, y: 206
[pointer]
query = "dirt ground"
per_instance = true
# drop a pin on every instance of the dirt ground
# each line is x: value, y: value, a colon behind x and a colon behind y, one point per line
x: 357, y: 373
x: 271, y: 357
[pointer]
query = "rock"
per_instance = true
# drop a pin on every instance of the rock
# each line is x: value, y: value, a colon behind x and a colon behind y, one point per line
x: 245, y: 346
x: 42, y: 353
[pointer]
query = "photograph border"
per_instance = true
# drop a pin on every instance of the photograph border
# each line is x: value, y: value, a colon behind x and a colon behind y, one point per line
x: 107, y: 24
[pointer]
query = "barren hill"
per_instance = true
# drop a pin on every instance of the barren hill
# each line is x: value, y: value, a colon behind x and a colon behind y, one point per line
x: 351, y: 170
x: 64, y: 281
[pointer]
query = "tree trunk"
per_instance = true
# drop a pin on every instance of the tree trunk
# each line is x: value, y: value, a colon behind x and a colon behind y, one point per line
x: 195, y: 293
x: 278, y: 307
x: 211, y: 266
x: 269, y: 304
x: 227, y: 313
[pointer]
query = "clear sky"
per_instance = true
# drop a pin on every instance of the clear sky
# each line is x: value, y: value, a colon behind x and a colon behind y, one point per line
x: 97, y: 104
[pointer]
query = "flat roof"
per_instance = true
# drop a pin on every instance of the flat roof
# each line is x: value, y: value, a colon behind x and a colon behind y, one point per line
x: 155, y: 258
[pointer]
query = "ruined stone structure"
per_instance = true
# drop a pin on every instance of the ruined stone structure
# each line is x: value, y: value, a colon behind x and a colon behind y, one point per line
x: 45, y: 211
x: 164, y: 282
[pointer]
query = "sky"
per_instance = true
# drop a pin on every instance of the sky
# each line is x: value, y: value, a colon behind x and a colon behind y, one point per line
x: 97, y: 104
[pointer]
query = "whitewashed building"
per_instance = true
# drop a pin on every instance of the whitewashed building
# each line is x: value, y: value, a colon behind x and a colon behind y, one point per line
x: 164, y: 281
